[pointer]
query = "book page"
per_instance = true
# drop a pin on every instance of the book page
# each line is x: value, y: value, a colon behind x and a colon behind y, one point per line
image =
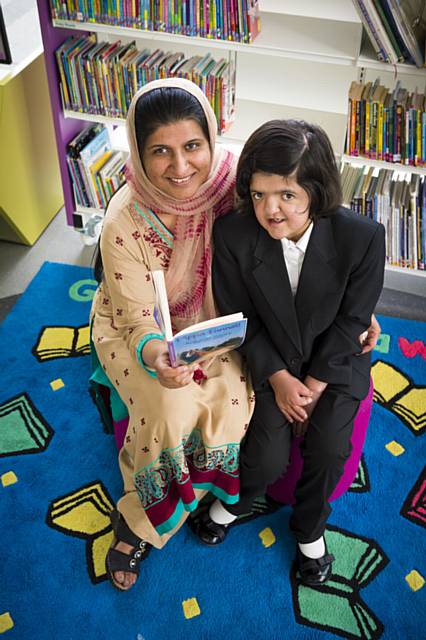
x: 214, y: 322
x: 161, y: 311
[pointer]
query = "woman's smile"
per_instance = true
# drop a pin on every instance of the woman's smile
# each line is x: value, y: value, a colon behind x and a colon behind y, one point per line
x: 177, y: 158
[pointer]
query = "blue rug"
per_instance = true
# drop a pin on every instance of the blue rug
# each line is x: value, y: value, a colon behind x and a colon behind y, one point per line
x: 59, y: 479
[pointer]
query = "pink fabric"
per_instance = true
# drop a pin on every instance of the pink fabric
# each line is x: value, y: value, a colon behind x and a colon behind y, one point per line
x: 120, y: 428
x: 283, y: 489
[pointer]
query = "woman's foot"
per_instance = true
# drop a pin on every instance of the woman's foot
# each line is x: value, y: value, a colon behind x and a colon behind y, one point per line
x: 124, y: 578
x: 125, y: 554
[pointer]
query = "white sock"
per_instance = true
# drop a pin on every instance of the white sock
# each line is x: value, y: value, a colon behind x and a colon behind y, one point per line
x: 219, y: 514
x: 314, y: 549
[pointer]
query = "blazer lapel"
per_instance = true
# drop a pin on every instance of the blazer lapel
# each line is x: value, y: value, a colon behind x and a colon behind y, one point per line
x: 270, y: 273
x: 317, y: 276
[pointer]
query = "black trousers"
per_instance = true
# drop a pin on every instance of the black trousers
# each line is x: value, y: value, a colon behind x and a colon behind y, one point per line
x: 265, y: 453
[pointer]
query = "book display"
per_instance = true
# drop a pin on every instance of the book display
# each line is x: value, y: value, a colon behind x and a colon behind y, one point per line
x: 396, y: 29
x: 386, y: 125
x: 397, y: 199
x: 300, y: 63
x: 96, y: 170
x: 102, y: 78
x: 235, y: 20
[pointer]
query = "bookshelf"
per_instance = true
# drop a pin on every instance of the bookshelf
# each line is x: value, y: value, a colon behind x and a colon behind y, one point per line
x: 301, y: 65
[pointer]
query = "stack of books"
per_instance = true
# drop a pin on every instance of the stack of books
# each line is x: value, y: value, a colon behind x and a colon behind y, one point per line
x: 97, y: 171
x: 386, y: 125
x: 396, y: 199
x: 234, y: 20
x: 102, y: 77
x: 396, y: 29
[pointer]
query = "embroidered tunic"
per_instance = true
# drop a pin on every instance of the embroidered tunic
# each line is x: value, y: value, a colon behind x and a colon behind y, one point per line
x: 180, y: 442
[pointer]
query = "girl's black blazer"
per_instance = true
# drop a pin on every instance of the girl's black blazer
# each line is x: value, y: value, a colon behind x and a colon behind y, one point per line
x: 316, y: 332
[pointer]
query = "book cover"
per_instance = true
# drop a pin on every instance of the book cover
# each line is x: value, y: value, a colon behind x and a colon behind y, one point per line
x: 200, y: 341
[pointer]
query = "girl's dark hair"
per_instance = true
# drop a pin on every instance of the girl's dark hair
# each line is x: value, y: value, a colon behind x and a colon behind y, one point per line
x: 292, y: 148
x: 154, y: 109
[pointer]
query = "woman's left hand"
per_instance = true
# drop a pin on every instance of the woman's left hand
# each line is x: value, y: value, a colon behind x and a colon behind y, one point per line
x: 369, y: 338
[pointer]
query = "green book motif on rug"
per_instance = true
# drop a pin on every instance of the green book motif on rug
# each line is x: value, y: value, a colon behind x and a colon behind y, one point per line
x: 337, y: 606
x: 361, y: 482
x: 22, y: 427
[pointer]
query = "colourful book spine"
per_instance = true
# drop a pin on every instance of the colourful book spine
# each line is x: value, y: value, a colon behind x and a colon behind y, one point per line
x: 418, y: 139
x: 423, y: 137
x: 367, y: 128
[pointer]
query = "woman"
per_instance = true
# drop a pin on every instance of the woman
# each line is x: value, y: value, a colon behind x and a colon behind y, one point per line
x: 184, y: 429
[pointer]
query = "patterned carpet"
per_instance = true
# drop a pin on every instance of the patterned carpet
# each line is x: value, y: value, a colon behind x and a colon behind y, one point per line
x: 59, y: 480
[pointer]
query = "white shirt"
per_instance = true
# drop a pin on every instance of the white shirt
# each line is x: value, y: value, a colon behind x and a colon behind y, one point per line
x: 294, y: 254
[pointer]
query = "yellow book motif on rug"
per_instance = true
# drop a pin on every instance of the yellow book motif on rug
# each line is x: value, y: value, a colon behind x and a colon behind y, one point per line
x: 394, y: 390
x: 62, y: 342
x: 84, y: 513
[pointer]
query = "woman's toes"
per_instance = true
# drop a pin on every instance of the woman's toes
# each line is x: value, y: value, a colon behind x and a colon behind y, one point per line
x: 120, y: 577
x: 129, y: 580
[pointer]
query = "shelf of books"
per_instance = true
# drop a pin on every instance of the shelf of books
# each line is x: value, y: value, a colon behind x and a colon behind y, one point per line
x: 384, y: 167
x: 385, y: 124
x: 96, y: 63
x: 397, y: 199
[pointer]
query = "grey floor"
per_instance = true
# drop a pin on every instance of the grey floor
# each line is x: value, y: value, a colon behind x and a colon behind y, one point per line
x: 19, y: 263
x: 60, y: 243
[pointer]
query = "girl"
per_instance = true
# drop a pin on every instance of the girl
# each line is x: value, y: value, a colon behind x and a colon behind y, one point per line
x: 307, y: 273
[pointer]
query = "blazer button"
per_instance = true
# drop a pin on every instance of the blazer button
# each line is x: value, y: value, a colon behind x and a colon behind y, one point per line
x: 294, y: 361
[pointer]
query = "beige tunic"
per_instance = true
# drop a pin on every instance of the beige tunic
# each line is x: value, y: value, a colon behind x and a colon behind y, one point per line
x: 180, y: 442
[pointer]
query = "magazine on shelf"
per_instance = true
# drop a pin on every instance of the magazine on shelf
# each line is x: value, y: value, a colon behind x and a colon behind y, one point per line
x: 200, y: 341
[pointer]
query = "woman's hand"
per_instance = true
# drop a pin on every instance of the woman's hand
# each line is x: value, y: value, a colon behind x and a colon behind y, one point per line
x: 369, y: 338
x: 291, y: 395
x: 156, y: 356
x: 171, y: 377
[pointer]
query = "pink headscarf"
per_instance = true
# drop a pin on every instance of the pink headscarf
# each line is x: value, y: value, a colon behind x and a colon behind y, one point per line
x: 188, y: 278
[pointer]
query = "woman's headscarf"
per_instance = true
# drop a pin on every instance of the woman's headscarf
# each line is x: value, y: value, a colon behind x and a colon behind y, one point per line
x: 188, y: 278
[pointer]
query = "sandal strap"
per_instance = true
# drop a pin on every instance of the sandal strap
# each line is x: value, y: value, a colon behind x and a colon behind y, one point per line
x: 119, y: 561
x: 123, y: 533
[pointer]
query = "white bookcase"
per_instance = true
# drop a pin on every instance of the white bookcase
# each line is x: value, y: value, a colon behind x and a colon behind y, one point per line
x: 301, y: 66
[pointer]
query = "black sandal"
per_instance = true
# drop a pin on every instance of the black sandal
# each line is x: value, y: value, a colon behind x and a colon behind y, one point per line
x: 118, y: 560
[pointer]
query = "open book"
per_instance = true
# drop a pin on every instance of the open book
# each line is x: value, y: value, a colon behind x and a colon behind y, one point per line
x: 337, y: 606
x: 200, y: 341
x: 62, y: 342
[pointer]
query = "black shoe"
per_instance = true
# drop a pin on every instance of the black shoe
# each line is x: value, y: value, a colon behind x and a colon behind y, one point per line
x: 210, y: 532
x: 314, y: 572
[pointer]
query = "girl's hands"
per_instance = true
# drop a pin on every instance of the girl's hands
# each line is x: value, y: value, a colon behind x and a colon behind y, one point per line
x: 317, y: 388
x: 291, y: 395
